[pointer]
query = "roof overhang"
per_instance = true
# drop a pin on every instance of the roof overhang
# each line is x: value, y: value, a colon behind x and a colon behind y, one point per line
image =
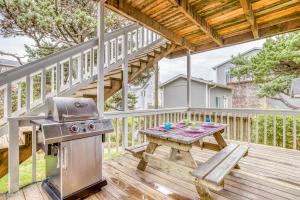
x: 205, y: 25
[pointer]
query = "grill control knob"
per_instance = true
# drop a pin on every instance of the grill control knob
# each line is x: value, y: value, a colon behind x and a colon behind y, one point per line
x: 91, y: 126
x: 74, y: 128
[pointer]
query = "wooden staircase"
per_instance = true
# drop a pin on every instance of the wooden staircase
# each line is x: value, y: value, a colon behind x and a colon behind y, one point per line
x: 113, y: 83
x: 138, y: 65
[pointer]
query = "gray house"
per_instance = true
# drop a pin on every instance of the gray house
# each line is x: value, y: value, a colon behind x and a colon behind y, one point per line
x: 145, y: 95
x: 223, y: 69
x: 204, y: 93
x: 244, y: 93
x: 6, y: 64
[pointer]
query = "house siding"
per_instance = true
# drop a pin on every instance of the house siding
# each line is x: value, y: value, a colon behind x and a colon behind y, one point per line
x: 174, y: 94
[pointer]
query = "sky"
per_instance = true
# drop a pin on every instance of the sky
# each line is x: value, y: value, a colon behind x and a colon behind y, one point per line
x: 202, y: 63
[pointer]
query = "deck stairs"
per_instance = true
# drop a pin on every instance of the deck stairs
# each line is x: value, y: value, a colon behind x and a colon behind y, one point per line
x: 73, y: 72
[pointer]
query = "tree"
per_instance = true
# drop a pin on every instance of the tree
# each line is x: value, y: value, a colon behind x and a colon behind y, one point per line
x: 53, y: 24
x: 274, y: 67
x: 114, y: 102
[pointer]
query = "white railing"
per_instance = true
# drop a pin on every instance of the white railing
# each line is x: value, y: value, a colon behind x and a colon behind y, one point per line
x: 24, y: 89
x: 269, y: 127
x: 279, y: 128
x: 142, y: 120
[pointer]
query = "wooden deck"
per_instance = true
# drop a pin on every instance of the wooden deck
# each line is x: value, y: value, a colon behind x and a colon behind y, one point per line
x: 266, y: 173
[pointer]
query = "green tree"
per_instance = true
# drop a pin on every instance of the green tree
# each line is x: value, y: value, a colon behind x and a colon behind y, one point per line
x: 274, y: 67
x: 115, y: 101
x: 53, y: 24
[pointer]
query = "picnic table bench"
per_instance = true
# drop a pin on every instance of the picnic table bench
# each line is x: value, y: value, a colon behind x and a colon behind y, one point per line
x: 209, y: 175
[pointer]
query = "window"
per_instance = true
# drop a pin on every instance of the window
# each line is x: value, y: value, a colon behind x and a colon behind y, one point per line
x: 227, y: 73
x: 225, y: 101
x: 218, y: 102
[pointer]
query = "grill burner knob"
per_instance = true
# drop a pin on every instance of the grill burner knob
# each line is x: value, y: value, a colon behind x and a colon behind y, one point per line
x: 91, y: 126
x: 74, y: 128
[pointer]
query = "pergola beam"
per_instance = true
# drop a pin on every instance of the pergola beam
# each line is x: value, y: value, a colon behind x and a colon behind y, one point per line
x: 191, y: 13
x: 246, y: 5
x: 268, y: 31
x: 124, y: 8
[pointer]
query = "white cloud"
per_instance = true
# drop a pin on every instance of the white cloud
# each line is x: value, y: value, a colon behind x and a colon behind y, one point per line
x: 202, y: 63
x: 14, y: 45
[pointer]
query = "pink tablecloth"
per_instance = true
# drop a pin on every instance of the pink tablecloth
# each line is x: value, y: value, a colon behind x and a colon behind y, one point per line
x: 179, y: 130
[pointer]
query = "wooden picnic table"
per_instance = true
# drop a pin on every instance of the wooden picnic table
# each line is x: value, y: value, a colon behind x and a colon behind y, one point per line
x: 209, y: 175
x: 180, y: 143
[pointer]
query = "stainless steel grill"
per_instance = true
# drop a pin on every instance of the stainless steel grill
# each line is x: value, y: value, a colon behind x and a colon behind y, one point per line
x: 72, y: 138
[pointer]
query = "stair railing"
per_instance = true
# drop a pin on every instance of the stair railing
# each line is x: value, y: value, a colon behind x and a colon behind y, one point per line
x: 23, y: 90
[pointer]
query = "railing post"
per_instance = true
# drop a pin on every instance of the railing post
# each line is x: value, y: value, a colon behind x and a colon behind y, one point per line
x: 143, y: 37
x: 7, y: 100
x: 43, y: 85
x: 101, y: 49
x: 28, y: 93
x: 70, y: 72
x: 295, y: 131
x: 188, y: 96
x: 58, y: 78
x: 33, y: 142
x: 125, y: 90
x: 13, y: 155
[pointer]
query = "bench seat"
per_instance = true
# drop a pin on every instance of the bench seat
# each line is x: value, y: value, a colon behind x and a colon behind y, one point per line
x: 212, y: 173
x: 137, y: 150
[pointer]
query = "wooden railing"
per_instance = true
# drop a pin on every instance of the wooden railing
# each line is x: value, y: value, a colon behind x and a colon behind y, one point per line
x: 270, y: 127
x: 24, y: 89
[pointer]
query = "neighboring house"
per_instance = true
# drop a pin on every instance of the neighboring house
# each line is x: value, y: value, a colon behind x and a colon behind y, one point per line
x: 145, y: 95
x: 245, y: 91
x: 295, y: 89
x: 204, y: 93
x: 6, y: 64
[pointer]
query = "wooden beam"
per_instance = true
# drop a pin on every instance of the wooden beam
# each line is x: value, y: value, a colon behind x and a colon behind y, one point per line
x: 268, y: 31
x: 246, y: 5
x: 191, y: 13
x: 123, y: 8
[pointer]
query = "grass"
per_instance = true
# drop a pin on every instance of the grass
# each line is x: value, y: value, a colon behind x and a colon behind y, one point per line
x: 26, y: 169
x: 25, y: 172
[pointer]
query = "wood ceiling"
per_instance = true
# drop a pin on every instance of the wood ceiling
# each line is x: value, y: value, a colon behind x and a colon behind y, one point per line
x: 200, y: 25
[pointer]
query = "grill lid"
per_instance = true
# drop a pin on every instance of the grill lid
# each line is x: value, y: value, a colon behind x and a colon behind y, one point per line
x: 65, y: 109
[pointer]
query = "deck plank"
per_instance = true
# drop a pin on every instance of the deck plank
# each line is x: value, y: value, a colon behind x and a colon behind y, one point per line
x: 16, y: 196
x: 32, y: 192
x: 266, y: 173
x: 2, y: 196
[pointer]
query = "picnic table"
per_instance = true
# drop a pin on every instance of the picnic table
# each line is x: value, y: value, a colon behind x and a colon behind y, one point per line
x: 181, y: 142
x: 209, y: 175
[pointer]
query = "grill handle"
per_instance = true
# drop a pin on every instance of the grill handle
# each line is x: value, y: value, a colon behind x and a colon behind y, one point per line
x: 77, y: 117
x: 64, y: 158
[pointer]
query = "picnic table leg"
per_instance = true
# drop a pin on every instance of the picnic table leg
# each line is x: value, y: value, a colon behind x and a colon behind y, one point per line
x: 202, y: 190
x: 188, y: 159
x: 222, y: 143
x: 150, y: 149
x: 220, y: 140
x: 173, y: 154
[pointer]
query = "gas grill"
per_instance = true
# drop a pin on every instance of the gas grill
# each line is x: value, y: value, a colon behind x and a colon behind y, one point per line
x: 72, y: 138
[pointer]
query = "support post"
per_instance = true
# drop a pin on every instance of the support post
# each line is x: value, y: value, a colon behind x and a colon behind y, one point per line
x: 189, y: 84
x: 100, y: 61
x: 125, y: 90
x: 156, y: 85
x: 13, y: 156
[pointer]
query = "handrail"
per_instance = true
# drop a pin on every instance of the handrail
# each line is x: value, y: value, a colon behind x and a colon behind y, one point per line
x: 248, y: 110
x: 69, y: 70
